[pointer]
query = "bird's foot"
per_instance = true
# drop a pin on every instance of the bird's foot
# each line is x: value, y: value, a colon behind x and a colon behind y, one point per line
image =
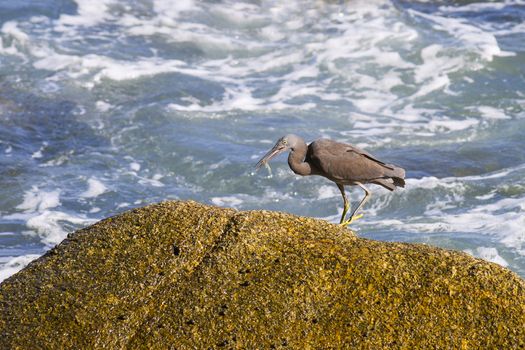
x: 351, y: 220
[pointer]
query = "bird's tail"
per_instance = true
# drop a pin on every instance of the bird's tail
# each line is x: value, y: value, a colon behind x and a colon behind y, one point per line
x: 398, y: 176
x: 395, y: 177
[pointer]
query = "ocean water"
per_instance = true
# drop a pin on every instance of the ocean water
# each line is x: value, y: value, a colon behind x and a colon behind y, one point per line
x: 109, y: 105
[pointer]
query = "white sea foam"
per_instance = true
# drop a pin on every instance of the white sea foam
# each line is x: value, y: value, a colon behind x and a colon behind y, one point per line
x: 89, y: 13
x: 227, y: 201
x: 475, y: 7
x: 239, y: 94
x: 492, y: 113
x: 38, y: 154
x: 41, y: 220
x: 13, y: 40
x: 488, y: 253
x: 134, y: 166
x: 48, y: 225
x: 430, y: 182
x: 95, y: 188
x: 11, y: 29
x: 171, y: 9
x: 484, y: 43
x: 494, y: 175
x: 104, y: 67
x: 486, y: 196
x: 39, y: 200
x: 448, y: 212
x: 507, y: 226
x: 367, y: 47
x: 15, y: 264
x: 151, y: 181
x: 326, y: 191
x: 103, y: 106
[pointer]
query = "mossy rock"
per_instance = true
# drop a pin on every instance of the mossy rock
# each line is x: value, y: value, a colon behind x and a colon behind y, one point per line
x: 190, y: 276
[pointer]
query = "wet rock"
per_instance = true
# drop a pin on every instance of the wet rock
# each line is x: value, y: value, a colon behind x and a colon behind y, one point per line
x: 187, y: 275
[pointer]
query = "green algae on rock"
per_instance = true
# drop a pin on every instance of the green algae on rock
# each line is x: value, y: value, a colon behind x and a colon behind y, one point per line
x: 186, y: 275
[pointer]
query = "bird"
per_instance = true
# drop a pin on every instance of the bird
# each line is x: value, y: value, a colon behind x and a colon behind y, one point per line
x: 339, y: 162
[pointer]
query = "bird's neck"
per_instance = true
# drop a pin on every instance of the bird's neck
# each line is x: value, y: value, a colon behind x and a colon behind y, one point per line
x: 296, y: 160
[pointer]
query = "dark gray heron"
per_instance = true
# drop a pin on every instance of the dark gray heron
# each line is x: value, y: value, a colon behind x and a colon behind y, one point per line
x: 339, y: 162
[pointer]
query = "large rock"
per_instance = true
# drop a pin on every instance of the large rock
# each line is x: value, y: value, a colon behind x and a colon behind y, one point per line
x: 186, y: 275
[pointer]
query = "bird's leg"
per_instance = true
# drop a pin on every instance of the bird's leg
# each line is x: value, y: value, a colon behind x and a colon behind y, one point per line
x: 353, y: 217
x: 346, y: 203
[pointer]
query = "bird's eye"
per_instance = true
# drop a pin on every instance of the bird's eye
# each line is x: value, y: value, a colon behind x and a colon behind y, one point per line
x: 285, y: 142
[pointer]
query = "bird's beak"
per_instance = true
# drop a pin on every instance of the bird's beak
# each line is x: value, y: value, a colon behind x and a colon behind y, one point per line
x: 277, y: 149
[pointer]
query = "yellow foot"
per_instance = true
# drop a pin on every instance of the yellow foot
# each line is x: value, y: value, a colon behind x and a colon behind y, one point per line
x: 352, y: 219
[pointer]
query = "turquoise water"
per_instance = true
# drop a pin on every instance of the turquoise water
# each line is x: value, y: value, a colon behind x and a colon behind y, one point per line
x: 111, y: 105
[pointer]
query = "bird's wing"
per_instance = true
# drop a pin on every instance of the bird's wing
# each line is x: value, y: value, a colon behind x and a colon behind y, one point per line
x: 344, y: 162
x: 369, y: 156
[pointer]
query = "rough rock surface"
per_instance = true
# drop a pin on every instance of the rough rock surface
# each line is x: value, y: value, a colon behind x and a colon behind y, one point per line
x: 186, y: 275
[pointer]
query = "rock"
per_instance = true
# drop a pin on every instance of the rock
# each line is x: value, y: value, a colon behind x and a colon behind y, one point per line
x: 186, y: 275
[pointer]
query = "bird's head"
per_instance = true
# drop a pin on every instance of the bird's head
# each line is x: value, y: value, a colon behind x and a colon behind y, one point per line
x: 285, y: 143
